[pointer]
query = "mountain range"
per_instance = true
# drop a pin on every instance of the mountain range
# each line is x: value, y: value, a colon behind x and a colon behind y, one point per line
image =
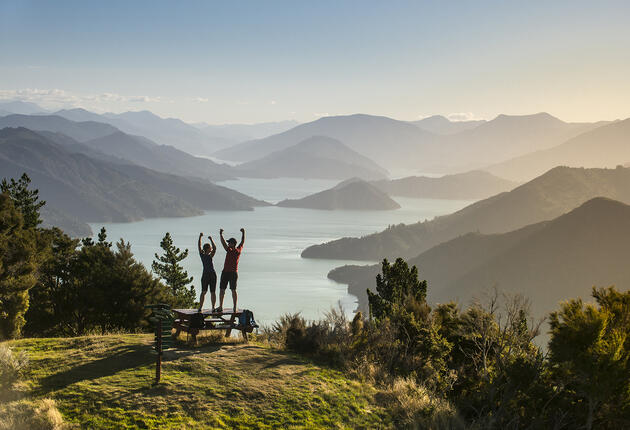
x: 439, y: 124
x: 317, y: 157
x: 399, y: 144
x: 546, y: 262
x: 605, y: 146
x: 352, y: 194
x: 475, y: 184
x: 546, y: 197
x: 91, y: 190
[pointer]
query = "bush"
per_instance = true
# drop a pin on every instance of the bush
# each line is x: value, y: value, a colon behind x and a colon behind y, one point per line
x: 29, y: 415
x: 12, y: 365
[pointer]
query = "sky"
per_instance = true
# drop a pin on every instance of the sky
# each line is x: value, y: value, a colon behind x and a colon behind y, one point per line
x: 257, y: 61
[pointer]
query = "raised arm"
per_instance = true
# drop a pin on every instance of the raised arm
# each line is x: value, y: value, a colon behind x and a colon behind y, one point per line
x: 199, y: 242
x: 214, y: 247
x: 242, y: 238
x: 223, y: 240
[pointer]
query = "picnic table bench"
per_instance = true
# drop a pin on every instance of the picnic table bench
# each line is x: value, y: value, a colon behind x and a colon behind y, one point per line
x: 226, y: 320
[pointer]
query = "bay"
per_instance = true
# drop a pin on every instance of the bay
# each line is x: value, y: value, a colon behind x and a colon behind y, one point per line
x: 273, y: 278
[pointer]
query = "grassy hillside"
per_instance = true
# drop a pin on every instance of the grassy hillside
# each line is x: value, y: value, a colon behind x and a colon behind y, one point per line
x: 107, y: 382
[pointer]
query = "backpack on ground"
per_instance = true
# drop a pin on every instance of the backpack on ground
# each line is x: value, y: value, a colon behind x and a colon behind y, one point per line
x: 246, y: 320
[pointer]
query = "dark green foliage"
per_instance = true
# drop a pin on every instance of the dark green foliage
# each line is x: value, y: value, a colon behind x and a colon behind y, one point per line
x: 589, y: 354
x: 94, y: 287
x: 167, y: 267
x: 24, y: 199
x: 18, y: 265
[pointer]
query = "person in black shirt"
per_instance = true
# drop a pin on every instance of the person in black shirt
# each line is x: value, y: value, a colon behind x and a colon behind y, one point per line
x: 209, y: 276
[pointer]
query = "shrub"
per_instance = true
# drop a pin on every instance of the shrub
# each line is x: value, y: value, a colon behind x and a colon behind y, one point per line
x: 12, y: 365
x: 29, y: 415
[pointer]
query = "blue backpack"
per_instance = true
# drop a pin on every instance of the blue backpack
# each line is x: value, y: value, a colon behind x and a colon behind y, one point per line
x: 246, y: 319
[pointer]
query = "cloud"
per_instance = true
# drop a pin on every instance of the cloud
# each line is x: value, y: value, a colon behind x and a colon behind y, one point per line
x: 57, y: 98
x: 199, y: 99
x: 272, y: 102
x: 462, y: 116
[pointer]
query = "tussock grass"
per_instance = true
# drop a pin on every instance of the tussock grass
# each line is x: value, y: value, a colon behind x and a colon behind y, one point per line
x: 107, y: 382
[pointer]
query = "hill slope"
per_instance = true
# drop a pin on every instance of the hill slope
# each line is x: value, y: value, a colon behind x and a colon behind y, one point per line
x: 349, y: 195
x: 317, y: 157
x: 439, y: 124
x: 606, y: 146
x: 106, y: 382
x: 546, y: 197
x: 546, y: 262
x: 164, y: 131
x: 380, y: 138
x: 475, y: 184
x: 497, y: 140
x: 163, y: 158
x: 94, y: 190
x: 80, y: 131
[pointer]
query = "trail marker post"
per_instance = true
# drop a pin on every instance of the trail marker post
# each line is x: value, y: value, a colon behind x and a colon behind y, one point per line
x: 163, y: 319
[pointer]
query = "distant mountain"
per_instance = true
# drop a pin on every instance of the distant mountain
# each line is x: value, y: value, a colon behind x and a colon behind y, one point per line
x: 163, y: 158
x: 475, y: 184
x: 388, y: 141
x: 164, y: 131
x: 547, y: 262
x: 20, y: 107
x: 92, y: 190
x: 398, y: 144
x: 353, y: 194
x: 546, y: 197
x: 316, y: 157
x: 238, y: 133
x: 500, y: 139
x: 605, y: 146
x: 439, y: 124
x: 81, y: 131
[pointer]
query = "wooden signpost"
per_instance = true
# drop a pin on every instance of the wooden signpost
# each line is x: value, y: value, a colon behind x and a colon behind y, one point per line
x: 162, y: 319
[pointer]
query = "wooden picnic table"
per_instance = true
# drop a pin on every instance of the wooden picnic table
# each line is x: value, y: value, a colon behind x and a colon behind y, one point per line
x: 226, y: 320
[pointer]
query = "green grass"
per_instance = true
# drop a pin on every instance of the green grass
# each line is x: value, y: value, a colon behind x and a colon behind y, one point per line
x: 108, y: 382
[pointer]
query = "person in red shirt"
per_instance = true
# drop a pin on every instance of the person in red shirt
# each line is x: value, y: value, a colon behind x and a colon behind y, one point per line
x: 229, y: 275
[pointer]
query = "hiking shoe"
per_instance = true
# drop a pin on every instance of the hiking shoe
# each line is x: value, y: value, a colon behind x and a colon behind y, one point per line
x: 219, y: 309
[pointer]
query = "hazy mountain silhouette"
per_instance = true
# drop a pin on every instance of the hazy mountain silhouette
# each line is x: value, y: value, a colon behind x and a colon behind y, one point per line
x: 547, y: 262
x: 439, y: 124
x: 352, y: 194
x: 380, y: 138
x: 605, y: 146
x: 397, y: 144
x: 80, y: 131
x: 475, y: 184
x: 164, y: 131
x: 20, y: 107
x: 500, y: 139
x: 99, y: 191
x: 238, y: 133
x: 546, y: 197
x: 163, y: 158
x: 315, y: 157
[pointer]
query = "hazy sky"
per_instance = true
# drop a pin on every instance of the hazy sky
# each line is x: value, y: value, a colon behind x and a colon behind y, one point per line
x: 239, y: 61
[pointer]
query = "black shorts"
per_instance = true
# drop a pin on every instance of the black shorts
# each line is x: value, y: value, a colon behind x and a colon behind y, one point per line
x: 209, y: 279
x: 228, y: 278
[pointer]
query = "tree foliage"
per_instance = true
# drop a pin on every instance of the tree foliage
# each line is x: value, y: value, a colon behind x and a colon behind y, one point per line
x: 18, y: 266
x: 167, y: 266
x: 24, y: 199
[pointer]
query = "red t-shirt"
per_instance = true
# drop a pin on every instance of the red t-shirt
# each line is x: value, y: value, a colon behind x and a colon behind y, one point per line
x: 231, y: 259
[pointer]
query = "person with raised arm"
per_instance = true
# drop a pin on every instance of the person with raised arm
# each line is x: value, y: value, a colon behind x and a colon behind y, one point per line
x: 229, y: 275
x: 209, y: 276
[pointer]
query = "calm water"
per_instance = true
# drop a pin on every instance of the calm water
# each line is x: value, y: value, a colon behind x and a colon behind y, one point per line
x: 273, y: 279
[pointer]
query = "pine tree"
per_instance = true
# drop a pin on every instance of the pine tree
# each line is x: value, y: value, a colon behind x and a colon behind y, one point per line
x: 25, y: 200
x: 18, y: 264
x: 167, y: 267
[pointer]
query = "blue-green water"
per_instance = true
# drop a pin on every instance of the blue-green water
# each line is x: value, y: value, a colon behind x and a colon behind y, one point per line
x: 273, y: 278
